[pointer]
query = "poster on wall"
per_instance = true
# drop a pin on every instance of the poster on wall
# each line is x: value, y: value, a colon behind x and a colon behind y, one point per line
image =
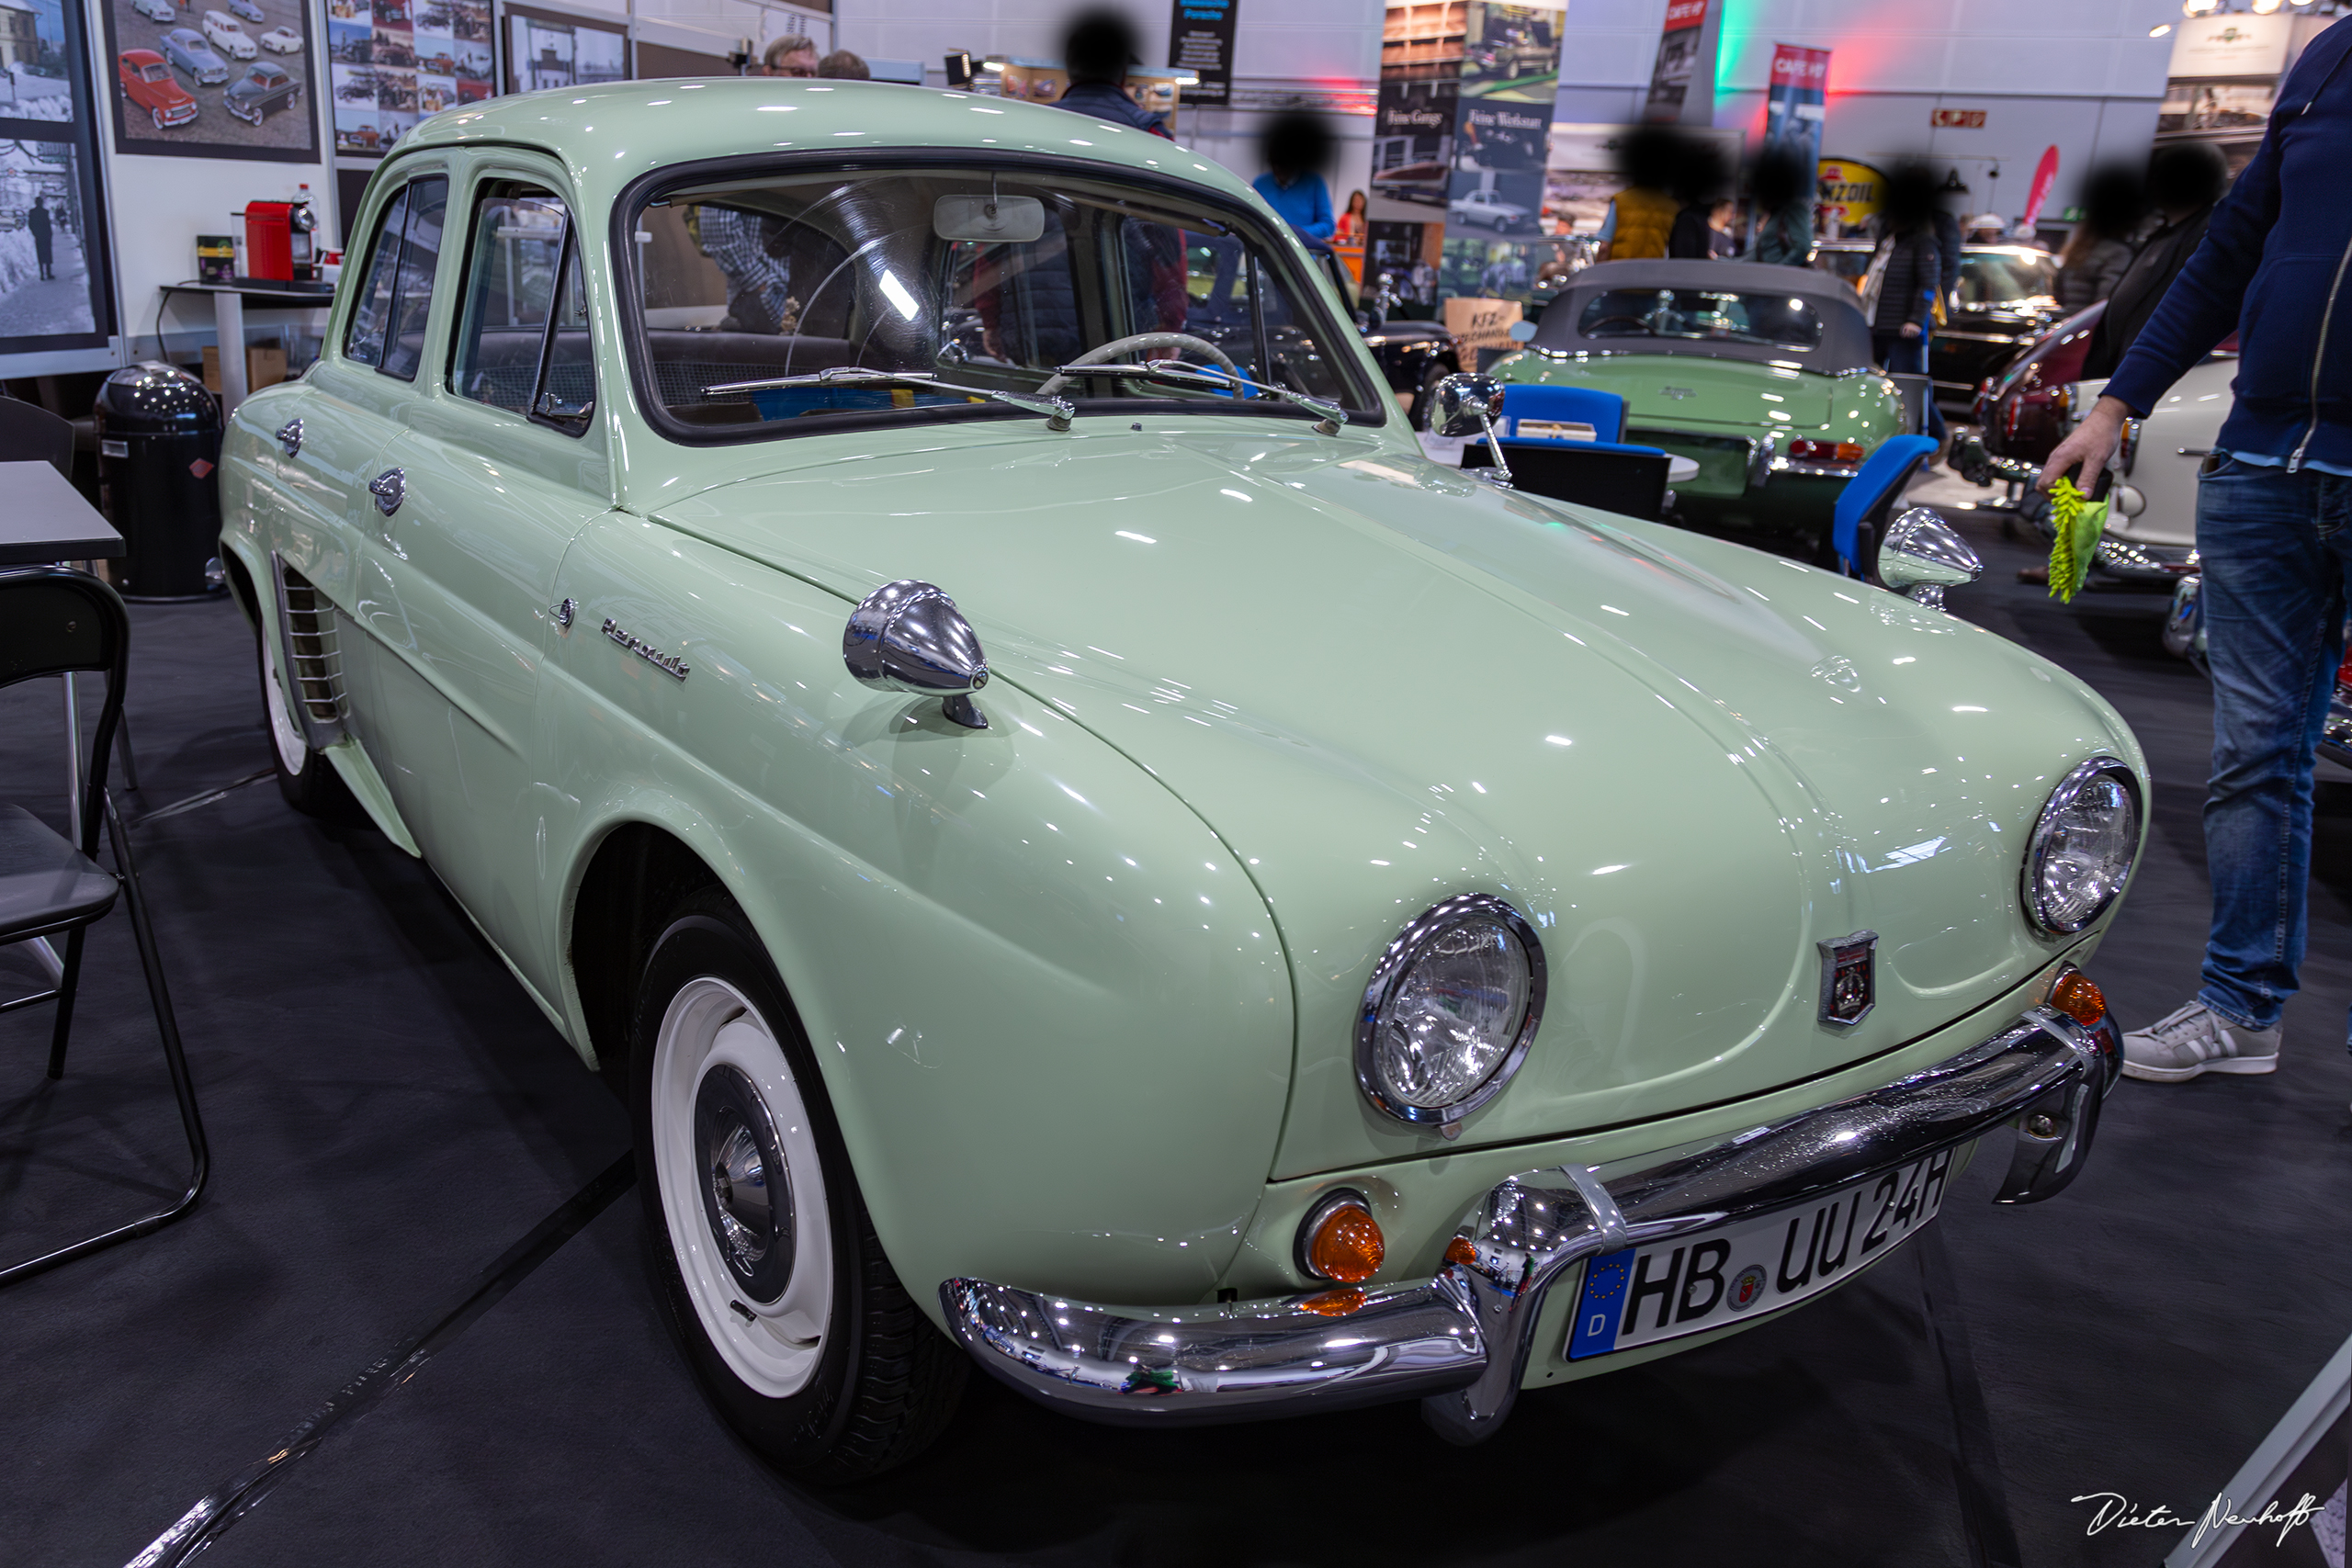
x: 391, y: 62
x: 1494, y: 208
x: 549, y: 49
x: 1793, y: 102
x: 54, y: 293
x: 1199, y: 39
x: 1677, y: 59
x: 195, y: 83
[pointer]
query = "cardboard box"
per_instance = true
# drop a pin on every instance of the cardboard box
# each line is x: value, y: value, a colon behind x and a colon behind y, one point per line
x: 264, y: 366
x: 1482, y: 323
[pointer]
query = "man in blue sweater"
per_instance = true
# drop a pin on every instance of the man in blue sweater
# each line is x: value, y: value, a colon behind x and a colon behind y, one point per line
x: 2272, y: 508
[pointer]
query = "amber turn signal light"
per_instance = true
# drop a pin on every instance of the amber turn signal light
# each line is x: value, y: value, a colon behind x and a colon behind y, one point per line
x: 1335, y: 1303
x: 1341, y: 1241
x: 2077, y: 996
x: 1459, y: 1251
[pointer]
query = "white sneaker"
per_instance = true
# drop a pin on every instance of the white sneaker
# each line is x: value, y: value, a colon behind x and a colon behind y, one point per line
x: 2193, y: 1040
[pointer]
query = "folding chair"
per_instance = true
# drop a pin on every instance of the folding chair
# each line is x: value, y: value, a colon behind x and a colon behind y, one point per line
x: 1859, y: 516
x: 1568, y: 443
x: 55, y: 621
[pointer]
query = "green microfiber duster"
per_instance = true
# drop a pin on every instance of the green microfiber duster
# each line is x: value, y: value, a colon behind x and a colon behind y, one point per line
x: 2076, y: 524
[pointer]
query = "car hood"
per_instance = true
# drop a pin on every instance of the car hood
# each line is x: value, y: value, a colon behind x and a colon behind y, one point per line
x: 1384, y: 683
x: 1687, y: 391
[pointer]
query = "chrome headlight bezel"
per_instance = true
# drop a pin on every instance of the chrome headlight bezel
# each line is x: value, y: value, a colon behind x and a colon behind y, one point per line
x: 2037, y: 849
x: 1390, y: 975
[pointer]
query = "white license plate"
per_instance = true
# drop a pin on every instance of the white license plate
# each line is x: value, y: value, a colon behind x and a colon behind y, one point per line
x: 1696, y: 1283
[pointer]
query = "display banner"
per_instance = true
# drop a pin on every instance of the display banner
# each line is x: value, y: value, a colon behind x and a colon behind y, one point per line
x: 1677, y: 60
x: 1502, y: 138
x: 1848, y: 192
x: 1199, y: 39
x: 1794, y: 103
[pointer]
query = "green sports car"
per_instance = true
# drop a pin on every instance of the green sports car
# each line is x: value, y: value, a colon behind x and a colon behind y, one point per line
x: 1760, y: 375
x: 1087, y: 854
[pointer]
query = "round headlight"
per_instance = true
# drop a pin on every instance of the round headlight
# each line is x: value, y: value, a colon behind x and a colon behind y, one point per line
x: 1451, y: 1010
x: 2082, y: 846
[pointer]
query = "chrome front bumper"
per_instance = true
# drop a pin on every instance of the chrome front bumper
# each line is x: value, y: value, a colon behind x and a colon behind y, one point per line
x: 1460, y: 1342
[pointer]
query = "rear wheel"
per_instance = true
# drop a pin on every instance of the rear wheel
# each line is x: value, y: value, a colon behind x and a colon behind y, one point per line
x: 757, y: 1238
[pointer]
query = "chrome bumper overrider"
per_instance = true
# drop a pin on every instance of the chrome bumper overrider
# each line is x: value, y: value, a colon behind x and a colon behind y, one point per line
x: 1461, y: 1341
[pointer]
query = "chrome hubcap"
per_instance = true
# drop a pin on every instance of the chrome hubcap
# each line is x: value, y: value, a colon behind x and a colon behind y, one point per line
x: 746, y: 1192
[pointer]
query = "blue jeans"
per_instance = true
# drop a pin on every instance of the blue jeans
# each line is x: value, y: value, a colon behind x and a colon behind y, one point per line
x: 2277, y: 556
x: 1900, y: 355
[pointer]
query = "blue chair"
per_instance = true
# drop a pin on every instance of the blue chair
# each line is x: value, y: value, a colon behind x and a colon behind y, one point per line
x: 1863, y: 505
x: 1568, y: 443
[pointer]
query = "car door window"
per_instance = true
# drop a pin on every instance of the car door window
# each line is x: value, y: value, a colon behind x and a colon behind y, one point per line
x: 523, y: 341
x: 387, y: 330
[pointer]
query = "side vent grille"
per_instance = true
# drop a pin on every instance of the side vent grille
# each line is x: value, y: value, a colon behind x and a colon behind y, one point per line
x: 313, y: 662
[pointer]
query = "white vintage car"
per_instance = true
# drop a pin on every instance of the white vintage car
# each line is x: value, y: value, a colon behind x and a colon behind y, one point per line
x: 220, y: 30
x: 2151, y: 535
x: 282, y: 40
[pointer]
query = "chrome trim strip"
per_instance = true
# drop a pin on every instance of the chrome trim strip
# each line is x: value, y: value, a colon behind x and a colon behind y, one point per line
x: 1461, y: 1340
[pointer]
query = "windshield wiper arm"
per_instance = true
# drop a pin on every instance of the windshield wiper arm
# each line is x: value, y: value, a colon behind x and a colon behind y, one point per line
x: 1058, y: 412
x: 1330, y: 415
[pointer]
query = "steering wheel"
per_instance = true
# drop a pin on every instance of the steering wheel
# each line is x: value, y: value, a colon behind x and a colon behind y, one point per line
x: 1102, y: 354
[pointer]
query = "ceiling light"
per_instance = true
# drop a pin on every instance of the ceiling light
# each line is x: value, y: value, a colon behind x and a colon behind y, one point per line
x: 2160, y: 29
x: 2264, y: 7
x: 2200, y: 8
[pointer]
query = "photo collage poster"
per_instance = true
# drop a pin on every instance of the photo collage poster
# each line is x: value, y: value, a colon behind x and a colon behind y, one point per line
x: 213, y: 79
x: 393, y: 61
x: 54, y: 289
x: 1502, y: 140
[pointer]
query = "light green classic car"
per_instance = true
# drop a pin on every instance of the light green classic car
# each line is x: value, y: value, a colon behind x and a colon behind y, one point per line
x: 1760, y: 375
x: 911, y: 624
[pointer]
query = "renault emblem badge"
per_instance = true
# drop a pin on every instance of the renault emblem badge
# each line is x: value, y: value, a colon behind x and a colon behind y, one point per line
x: 1849, y: 983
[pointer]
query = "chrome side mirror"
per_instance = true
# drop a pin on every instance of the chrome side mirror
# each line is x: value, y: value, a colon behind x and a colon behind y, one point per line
x: 909, y: 636
x: 1469, y: 405
x: 1922, y: 556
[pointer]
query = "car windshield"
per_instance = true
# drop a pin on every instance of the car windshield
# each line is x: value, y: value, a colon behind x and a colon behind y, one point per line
x: 1703, y: 315
x: 156, y: 74
x: 991, y: 281
x: 2000, y: 277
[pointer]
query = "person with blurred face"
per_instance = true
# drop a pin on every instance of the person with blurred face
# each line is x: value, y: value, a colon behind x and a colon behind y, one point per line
x: 1096, y: 52
x: 843, y: 66
x: 1297, y: 144
x: 2184, y: 180
x: 793, y: 56
x: 2274, y: 542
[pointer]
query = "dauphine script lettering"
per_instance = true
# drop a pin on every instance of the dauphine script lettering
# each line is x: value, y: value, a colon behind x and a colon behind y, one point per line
x: 2114, y: 1510
x: 669, y: 663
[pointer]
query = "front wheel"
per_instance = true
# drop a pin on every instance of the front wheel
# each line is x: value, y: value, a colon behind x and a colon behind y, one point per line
x: 759, y: 1241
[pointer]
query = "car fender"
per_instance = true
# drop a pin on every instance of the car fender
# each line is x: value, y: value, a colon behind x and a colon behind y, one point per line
x: 1015, y: 952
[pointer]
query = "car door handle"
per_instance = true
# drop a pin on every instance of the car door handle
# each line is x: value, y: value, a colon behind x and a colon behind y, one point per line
x: 390, y: 489
x: 289, y: 436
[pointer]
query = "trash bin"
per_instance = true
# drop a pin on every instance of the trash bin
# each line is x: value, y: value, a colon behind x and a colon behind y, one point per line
x: 159, y: 455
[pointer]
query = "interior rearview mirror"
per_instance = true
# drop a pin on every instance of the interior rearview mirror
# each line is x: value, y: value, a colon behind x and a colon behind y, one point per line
x: 989, y: 219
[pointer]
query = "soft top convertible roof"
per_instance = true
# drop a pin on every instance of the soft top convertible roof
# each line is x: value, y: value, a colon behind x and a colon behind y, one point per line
x: 1845, y: 332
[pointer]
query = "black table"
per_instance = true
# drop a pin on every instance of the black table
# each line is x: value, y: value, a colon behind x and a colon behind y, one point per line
x: 43, y: 519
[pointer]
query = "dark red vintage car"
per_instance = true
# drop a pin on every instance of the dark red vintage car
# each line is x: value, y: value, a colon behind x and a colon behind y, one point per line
x: 2021, y: 409
x: 149, y: 84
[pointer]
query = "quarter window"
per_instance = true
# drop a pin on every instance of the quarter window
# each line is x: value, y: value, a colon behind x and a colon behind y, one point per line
x: 387, y: 330
x: 523, y: 342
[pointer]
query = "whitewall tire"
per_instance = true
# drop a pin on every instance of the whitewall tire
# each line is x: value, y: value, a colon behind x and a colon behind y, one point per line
x: 776, y: 1285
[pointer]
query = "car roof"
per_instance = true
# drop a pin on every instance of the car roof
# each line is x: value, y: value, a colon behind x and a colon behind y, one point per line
x: 613, y: 133
x: 1845, y: 335
x: 142, y: 56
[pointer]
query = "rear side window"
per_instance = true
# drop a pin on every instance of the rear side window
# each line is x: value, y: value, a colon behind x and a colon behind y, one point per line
x: 523, y: 340
x: 387, y: 330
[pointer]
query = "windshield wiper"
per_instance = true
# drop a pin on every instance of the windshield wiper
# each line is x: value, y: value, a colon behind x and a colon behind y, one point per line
x: 1058, y: 412
x: 1330, y: 415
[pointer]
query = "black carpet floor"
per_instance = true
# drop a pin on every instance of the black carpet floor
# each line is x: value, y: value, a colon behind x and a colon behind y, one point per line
x: 389, y: 1115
